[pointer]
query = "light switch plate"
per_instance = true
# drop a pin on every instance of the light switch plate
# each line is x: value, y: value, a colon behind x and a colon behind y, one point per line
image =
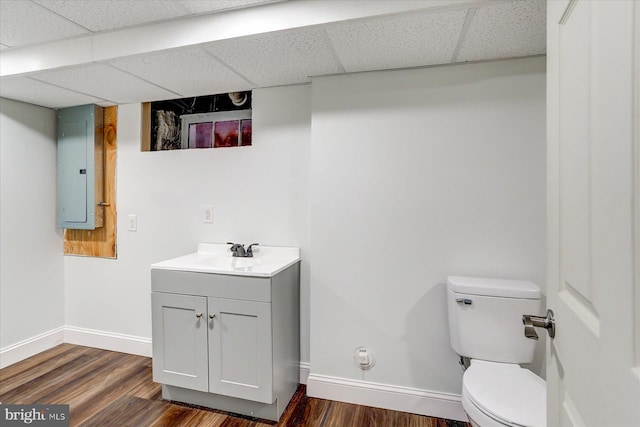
x: 133, y: 222
x: 207, y: 214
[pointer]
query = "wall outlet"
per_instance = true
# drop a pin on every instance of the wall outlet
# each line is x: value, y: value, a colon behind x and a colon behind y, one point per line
x: 207, y: 214
x: 133, y: 222
x: 363, y: 358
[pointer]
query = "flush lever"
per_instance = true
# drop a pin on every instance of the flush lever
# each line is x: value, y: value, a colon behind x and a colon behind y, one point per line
x: 464, y: 301
x: 531, y: 322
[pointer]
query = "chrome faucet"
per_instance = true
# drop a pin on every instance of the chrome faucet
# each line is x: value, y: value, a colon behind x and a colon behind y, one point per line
x: 238, y: 250
x: 250, y: 249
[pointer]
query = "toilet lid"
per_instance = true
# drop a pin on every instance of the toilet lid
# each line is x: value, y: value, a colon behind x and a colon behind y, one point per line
x: 507, y: 392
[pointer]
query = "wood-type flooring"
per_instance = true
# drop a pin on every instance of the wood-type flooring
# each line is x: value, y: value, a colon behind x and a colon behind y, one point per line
x: 107, y: 388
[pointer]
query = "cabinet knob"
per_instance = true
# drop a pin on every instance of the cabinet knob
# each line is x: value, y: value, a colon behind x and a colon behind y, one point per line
x: 211, y: 316
x: 198, y: 315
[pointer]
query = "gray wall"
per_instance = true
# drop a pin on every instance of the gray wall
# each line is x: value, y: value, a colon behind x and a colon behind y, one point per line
x: 31, y: 266
x: 416, y: 175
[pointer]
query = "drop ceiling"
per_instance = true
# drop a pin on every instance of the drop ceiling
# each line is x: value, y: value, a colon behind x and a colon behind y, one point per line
x: 60, y: 53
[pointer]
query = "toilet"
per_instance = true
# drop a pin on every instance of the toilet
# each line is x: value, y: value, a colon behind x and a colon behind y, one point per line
x: 485, y: 325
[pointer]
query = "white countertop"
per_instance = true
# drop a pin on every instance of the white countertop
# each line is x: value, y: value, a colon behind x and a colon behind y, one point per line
x: 216, y: 258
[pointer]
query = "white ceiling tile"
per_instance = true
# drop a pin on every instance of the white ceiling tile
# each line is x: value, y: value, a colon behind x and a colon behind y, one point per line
x: 189, y: 72
x: 35, y: 92
x: 205, y: 6
x: 506, y: 30
x: 24, y: 23
x: 499, y: 29
x: 407, y: 40
x: 106, y: 104
x: 100, y: 15
x: 278, y: 58
x: 108, y: 83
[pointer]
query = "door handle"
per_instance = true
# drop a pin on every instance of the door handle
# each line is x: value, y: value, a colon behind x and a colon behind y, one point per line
x: 531, y: 322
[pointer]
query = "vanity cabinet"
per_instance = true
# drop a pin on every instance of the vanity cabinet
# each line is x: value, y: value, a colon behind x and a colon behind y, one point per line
x: 213, y: 344
x: 227, y: 342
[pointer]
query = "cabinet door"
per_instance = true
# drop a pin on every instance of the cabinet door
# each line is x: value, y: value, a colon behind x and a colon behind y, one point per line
x: 179, y: 330
x: 240, y: 357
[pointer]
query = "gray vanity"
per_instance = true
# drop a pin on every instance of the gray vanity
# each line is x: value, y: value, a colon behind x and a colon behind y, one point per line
x: 226, y: 330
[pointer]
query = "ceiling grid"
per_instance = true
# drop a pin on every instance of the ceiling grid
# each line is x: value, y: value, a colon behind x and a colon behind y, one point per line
x: 135, y: 76
x: 463, y: 34
x: 333, y: 51
x: 58, y: 53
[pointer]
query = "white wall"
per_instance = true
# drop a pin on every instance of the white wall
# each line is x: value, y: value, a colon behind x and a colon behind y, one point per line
x: 31, y: 260
x: 416, y: 175
x: 259, y: 194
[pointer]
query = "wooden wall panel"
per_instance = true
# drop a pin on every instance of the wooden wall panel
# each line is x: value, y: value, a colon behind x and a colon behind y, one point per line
x: 145, y: 136
x: 99, y: 153
x: 101, y: 242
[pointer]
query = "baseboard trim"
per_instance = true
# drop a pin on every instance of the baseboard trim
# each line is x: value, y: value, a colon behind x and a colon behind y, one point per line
x: 305, y: 368
x: 30, y: 347
x: 74, y: 335
x: 108, y: 341
x: 398, y: 398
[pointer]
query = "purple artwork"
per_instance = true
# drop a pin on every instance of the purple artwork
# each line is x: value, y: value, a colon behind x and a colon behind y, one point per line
x: 226, y: 134
x: 200, y: 135
x: 245, y: 129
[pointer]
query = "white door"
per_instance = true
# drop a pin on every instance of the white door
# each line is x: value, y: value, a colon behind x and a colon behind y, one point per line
x: 593, y: 110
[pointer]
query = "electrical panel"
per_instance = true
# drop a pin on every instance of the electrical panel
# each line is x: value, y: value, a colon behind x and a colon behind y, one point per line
x: 80, y: 167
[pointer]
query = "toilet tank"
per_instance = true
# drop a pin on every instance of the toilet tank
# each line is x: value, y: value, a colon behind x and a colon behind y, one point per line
x: 485, y: 318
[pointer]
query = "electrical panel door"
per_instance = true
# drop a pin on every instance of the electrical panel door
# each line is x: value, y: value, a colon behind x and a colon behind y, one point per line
x: 80, y: 167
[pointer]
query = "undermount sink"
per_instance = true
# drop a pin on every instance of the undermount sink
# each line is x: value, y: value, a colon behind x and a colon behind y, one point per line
x: 267, y: 261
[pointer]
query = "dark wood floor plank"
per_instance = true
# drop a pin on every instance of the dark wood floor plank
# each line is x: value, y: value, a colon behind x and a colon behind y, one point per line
x: 45, y: 356
x: 412, y: 420
x: 189, y: 417
x: 146, y: 388
x: 105, y: 388
x: 32, y: 391
x: 33, y: 367
x: 174, y: 415
x: 84, y: 384
x: 82, y: 387
x: 295, y: 409
x: 121, y: 382
x: 314, y: 412
x: 375, y: 417
x: 341, y: 413
x: 238, y: 422
x: 127, y: 411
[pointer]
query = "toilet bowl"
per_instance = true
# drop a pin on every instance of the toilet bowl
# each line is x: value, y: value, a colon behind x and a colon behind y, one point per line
x: 503, y: 394
x: 485, y: 325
